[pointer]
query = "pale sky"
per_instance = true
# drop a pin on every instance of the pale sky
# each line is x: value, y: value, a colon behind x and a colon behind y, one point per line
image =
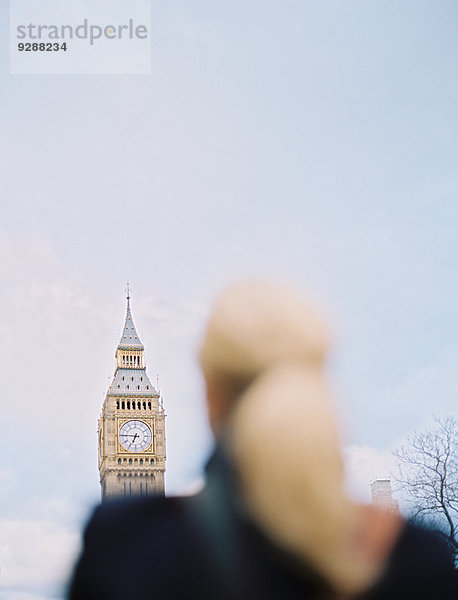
x: 310, y: 142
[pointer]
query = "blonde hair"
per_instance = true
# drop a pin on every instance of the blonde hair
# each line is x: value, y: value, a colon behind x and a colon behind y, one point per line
x: 258, y: 325
x: 282, y: 432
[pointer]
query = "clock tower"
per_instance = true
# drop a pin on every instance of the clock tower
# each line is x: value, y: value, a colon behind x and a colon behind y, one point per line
x: 132, y: 424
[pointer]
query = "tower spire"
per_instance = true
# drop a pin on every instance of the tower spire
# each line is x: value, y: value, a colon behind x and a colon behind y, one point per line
x: 129, y: 338
x: 128, y: 290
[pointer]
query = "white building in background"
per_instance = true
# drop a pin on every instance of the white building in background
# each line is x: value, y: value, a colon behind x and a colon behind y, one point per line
x: 382, y: 495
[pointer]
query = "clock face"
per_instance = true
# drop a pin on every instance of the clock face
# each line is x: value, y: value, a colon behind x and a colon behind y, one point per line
x: 135, y: 436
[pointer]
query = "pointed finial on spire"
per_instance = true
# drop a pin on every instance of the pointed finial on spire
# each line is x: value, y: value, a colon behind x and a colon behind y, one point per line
x: 128, y: 295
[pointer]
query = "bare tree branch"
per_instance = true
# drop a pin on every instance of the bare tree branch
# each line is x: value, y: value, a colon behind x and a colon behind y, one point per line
x: 428, y: 473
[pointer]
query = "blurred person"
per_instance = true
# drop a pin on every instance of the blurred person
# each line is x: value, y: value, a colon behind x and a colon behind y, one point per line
x: 273, y: 520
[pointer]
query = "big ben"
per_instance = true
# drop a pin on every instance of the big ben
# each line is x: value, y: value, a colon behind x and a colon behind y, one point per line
x: 132, y: 451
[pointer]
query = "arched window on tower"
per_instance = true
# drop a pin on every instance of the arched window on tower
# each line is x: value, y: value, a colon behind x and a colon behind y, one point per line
x: 119, y: 461
x: 141, y: 461
x: 128, y: 403
x: 123, y: 405
x: 130, y: 461
x: 144, y: 405
x: 149, y: 405
x: 117, y: 403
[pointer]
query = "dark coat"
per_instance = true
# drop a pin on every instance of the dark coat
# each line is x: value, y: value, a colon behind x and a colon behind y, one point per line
x: 201, y: 548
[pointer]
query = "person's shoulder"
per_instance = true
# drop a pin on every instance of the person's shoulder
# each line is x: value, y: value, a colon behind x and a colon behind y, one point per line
x: 124, y: 538
x: 420, y: 566
x: 137, y: 506
x: 421, y: 545
x: 119, y: 514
